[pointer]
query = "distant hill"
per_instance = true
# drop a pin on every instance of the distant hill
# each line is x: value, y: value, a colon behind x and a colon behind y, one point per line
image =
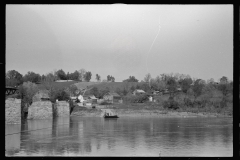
x: 58, y: 85
x: 82, y: 85
x: 114, y: 85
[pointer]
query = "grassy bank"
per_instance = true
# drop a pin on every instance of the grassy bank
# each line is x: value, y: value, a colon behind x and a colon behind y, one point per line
x: 183, y: 105
x: 206, y: 104
x: 148, y: 109
x: 156, y: 109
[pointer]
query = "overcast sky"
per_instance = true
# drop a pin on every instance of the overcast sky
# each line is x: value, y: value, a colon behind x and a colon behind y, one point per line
x: 115, y: 39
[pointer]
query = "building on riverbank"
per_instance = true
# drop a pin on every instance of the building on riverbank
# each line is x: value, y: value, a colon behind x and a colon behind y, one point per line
x: 90, y: 99
x: 112, y: 97
x: 138, y: 92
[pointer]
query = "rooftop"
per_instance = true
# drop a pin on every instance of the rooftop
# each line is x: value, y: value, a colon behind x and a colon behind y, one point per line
x: 113, y: 94
x: 139, y: 90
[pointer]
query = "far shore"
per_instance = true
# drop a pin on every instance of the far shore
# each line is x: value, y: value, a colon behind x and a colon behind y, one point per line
x: 142, y: 113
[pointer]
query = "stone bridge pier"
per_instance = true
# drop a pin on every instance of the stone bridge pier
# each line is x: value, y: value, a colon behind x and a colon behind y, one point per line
x: 48, y: 110
x: 12, y: 111
x: 40, y: 110
x: 62, y: 109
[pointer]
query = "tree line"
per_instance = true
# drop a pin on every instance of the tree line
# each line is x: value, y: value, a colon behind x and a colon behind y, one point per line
x: 14, y: 78
x: 198, y: 92
x: 171, y: 83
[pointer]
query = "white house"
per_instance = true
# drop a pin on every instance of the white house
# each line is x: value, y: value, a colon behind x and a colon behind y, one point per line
x: 80, y: 97
x: 150, y: 98
x: 138, y: 91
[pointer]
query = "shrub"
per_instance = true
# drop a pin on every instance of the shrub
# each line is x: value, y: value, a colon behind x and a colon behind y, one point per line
x: 129, y: 98
x: 52, y: 94
x: 62, y: 95
x: 72, y: 89
x: 188, y: 102
x: 27, y: 91
x: 59, y: 94
x: 104, y: 103
x: 135, y: 98
x: 197, y: 88
x: 223, y: 104
x: 159, y: 99
x: 165, y: 104
x: 215, y: 102
x: 200, y: 103
x: 142, y: 98
x: 170, y: 104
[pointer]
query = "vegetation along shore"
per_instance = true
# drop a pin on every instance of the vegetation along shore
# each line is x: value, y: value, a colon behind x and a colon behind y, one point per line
x: 170, y: 95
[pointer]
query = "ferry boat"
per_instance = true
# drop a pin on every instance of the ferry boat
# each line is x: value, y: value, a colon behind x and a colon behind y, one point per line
x: 109, y: 115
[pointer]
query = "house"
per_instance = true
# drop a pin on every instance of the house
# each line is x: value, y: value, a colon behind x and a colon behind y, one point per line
x: 155, y: 92
x: 80, y: 98
x: 41, y: 95
x: 138, y: 91
x: 73, y: 98
x: 91, y: 98
x: 112, y: 97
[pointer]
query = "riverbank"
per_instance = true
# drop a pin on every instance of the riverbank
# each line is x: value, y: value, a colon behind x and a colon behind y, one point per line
x: 130, y: 112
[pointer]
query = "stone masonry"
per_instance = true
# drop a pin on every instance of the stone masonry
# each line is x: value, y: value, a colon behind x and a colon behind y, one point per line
x: 13, y: 111
x: 40, y: 110
x: 62, y: 109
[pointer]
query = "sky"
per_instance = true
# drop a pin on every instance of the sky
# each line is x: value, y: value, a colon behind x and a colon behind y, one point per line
x: 121, y: 40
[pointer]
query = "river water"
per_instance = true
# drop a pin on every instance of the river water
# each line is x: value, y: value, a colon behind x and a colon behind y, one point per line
x: 125, y: 136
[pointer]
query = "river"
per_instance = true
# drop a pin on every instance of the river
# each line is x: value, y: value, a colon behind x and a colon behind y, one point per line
x: 125, y: 136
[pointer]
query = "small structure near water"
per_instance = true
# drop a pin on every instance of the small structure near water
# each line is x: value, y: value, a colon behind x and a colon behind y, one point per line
x: 138, y: 92
x: 112, y: 97
x: 107, y: 113
x: 90, y: 101
x: 150, y: 98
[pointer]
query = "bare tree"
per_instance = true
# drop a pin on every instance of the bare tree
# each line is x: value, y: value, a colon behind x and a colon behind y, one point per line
x: 81, y: 74
x: 147, y: 78
x: 49, y: 79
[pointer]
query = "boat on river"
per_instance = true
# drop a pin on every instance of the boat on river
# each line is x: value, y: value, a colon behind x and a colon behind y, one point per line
x: 110, y: 115
x: 113, y: 116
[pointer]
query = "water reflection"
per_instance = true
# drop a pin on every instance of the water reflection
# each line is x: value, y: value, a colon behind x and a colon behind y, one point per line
x: 12, y: 139
x: 96, y: 136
